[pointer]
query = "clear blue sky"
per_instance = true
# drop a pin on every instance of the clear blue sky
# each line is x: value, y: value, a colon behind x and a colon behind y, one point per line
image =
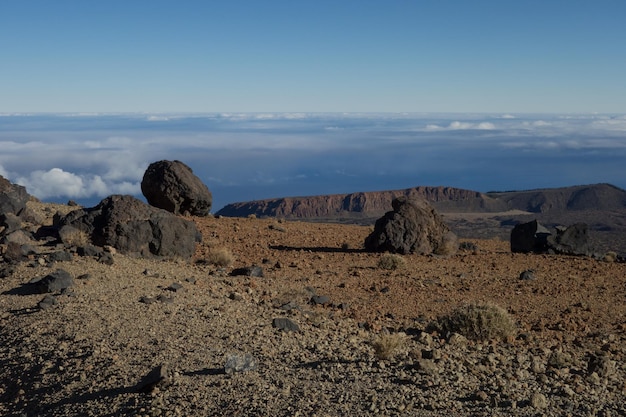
x: 313, y: 56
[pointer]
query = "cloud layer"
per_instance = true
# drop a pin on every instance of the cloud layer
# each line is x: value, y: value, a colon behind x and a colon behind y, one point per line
x: 249, y: 156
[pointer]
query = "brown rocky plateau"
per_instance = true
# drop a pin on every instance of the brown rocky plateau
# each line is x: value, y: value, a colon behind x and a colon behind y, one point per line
x: 206, y: 342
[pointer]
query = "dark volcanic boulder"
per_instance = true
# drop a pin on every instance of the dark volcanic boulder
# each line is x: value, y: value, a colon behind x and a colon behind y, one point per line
x: 13, y: 197
x: 412, y: 227
x: 9, y: 222
x: 133, y: 227
x: 529, y: 237
x: 172, y: 186
x: 533, y: 237
x: 572, y: 240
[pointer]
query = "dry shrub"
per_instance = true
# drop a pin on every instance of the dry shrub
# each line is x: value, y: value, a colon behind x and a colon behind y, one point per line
x: 72, y: 236
x: 610, y: 256
x: 386, y: 346
x: 219, y: 256
x: 391, y: 261
x: 480, y: 322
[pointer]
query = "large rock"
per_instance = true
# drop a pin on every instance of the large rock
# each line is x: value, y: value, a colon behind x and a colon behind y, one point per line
x: 529, y: 237
x: 133, y: 227
x: 412, y: 227
x: 172, y: 186
x: 572, y: 240
x: 533, y: 237
x: 13, y: 197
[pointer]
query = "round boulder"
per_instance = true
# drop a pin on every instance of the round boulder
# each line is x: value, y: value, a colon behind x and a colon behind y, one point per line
x: 172, y: 186
x: 412, y: 227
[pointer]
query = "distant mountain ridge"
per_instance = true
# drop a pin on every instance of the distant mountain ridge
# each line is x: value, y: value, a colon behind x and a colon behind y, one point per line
x: 575, y: 198
x: 373, y: 204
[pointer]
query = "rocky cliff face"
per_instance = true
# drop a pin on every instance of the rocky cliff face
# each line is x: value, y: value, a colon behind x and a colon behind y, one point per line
x: 363, y: 204
x: 371, y: 205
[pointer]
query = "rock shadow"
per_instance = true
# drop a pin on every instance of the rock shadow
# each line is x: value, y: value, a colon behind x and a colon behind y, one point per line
x: 317, y: 249
x: 24, y: 289
x: 206, y: 372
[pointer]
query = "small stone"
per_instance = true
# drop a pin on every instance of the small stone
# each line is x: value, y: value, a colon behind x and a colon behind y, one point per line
x: 165, y: 300
x: 320, y: 299
x: 89, y: 250
x: 538, y: 400
x: 456, y: 339
x: 60, y: 256
x: 425, y: 339
x: 175, y: 287
x: 106, y: 258
x: 527, y: 275
x: 47, y: 302
x: 291, y: 305
x: 157, y: 377
x: 482, y: 396
x: 56, y: 281
x: 147, y: 300
x: 235, y: 296
x: 559, y: 360
x: 283, y: 323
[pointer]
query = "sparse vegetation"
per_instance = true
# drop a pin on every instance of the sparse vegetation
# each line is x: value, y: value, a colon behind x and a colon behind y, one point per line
x: 75, y: 237
x: 468, y: 246
x: 386, y: 346
x: 479, y: 322
x: 391, y: 261
x: 219, y: 256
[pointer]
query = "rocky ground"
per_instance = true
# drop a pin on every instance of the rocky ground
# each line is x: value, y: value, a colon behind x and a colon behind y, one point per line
x: 170, y: 338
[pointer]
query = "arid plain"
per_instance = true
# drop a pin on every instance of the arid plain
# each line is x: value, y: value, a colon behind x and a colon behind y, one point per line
x: 90, y: 353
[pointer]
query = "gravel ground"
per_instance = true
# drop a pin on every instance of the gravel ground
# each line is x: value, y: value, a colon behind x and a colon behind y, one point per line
x: 213, y: 343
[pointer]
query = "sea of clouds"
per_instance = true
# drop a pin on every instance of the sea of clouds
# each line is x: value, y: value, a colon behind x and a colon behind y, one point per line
x: 246, y: 156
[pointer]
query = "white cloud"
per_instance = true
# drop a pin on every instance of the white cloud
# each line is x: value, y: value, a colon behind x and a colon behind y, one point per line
x: 617, y: 124
x: 507, y: 116
x: 456, y: 125
x: 3, y: 172
x: 59, y: 183
x: 157, y: 119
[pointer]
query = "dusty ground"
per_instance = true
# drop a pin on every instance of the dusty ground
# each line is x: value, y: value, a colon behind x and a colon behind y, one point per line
x: 87, y: 354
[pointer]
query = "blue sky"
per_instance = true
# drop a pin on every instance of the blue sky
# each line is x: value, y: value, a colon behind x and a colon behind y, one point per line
x: 313, y: 56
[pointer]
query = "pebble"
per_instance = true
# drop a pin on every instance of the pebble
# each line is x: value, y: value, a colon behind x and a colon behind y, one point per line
x: 538, y: 400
